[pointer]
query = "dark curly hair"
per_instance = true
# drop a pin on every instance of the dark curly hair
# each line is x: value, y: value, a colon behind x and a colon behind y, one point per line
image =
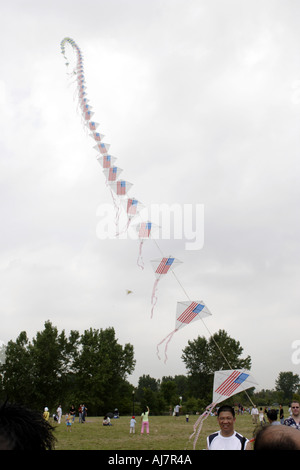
x: 24, y: 429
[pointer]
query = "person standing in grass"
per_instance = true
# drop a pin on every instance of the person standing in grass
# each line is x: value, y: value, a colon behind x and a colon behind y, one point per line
x: 132, y: 425
x: 68, y: 421
x: 145, y: 420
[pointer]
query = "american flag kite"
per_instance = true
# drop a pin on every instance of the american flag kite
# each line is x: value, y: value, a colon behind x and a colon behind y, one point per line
x: 161, y: 267
x: 112, y: 173
x: 186, y: 313
x: 120, y: 187
x: 230, y: 382
x: 102, y: 148
x: 144, y: 230
x: 106, y: 161
x: 132, y: 208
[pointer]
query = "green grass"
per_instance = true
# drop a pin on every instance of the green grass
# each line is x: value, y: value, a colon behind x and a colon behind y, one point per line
x: 166, y: 433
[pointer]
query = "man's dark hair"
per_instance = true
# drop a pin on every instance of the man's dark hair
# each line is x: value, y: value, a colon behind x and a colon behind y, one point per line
x: 24, y: 429
x: 226, y: 408
x: 272, y: 415
x: 277, y: 438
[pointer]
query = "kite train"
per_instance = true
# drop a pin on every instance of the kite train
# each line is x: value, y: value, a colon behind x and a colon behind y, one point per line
x: 227, y: 382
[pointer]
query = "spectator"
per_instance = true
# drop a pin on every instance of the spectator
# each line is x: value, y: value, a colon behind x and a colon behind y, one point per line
x: 46, y: 413
x: 294, y: 419
x: 227, y: 438
x: 132, y: 425
x: 254, y: 414
x: 24, y: 429
x: 145, y: 420
x: 277, y: 438
x: 272, y: 417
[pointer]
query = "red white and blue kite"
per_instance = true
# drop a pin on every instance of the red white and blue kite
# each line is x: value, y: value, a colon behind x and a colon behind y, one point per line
x: 161, y: 267
x: 186, y: 313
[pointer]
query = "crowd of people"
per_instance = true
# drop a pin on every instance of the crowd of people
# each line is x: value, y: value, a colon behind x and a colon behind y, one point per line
x: 25, y: 429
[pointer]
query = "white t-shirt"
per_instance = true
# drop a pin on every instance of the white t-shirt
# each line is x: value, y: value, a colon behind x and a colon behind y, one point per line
x: 218, y: 442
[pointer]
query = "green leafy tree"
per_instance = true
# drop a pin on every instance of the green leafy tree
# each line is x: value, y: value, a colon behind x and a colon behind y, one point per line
x: 287, y: 383
x: 203, y: 357
x: 16, y: 372
x: 35, y: 373
x: 101, y: 368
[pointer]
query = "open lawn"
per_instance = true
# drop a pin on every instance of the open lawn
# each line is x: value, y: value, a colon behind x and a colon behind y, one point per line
x: 166, y: 433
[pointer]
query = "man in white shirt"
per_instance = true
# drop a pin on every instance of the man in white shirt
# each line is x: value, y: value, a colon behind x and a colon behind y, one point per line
x: 254, y: 414
x: 227, y: 438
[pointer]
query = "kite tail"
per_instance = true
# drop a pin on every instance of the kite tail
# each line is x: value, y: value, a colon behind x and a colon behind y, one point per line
x: 199, y: 423
x: 124, y: 229
x: 168, y: 338
x: 140, y: 261
x: 117, y: 209
x: 153, y: 296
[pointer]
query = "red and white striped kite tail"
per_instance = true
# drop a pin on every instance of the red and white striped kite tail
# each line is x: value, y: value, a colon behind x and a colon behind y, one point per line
x: 140, y: 261
x: 168, y: 338
x: 199, y: 423
x: 153, y: 296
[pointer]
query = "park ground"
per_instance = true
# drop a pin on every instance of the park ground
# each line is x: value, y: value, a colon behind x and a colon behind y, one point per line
x: 166, y: 433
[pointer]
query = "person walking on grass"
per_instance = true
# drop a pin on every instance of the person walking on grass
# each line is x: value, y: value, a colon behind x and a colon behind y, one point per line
x: 145, y: 420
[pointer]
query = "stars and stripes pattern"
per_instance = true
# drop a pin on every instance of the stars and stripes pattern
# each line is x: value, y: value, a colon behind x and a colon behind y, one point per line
x: 112, y: 173
x: 164, y: 265
x: 121, y: 188
x: 132, y: 206
x: 190, y: 313
x: 145, y: 229
x: 231, y: 383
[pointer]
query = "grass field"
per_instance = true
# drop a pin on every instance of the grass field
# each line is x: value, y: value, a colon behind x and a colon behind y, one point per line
x: 166, y: 433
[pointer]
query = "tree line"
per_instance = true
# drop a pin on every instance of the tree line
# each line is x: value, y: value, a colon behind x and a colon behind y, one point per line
x: 93, y: 368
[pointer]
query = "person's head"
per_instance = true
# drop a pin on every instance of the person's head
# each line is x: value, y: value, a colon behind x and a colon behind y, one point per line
x: 272, y: 415
x: 277, y: 438
x: 24, y: 429
x: 295, y: 407
x: 226, y: 419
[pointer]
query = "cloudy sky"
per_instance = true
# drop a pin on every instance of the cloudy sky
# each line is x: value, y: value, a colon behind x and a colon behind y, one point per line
x: 200, y: 102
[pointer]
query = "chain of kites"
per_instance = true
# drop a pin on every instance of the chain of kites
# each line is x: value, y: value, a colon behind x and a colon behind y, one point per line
x: 226, y: 382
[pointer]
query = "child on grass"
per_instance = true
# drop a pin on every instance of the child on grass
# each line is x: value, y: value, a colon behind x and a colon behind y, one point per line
x: 132, y: 425
x: 68, y: 422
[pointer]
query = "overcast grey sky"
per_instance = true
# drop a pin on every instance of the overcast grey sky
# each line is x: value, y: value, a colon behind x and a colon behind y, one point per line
x: 200, y: 102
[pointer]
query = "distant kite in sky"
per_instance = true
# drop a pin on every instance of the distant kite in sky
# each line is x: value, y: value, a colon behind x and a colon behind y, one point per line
x: 226, y: 384
x: 144, y: 231
x: 161, y: 267
x: 186, y: 313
